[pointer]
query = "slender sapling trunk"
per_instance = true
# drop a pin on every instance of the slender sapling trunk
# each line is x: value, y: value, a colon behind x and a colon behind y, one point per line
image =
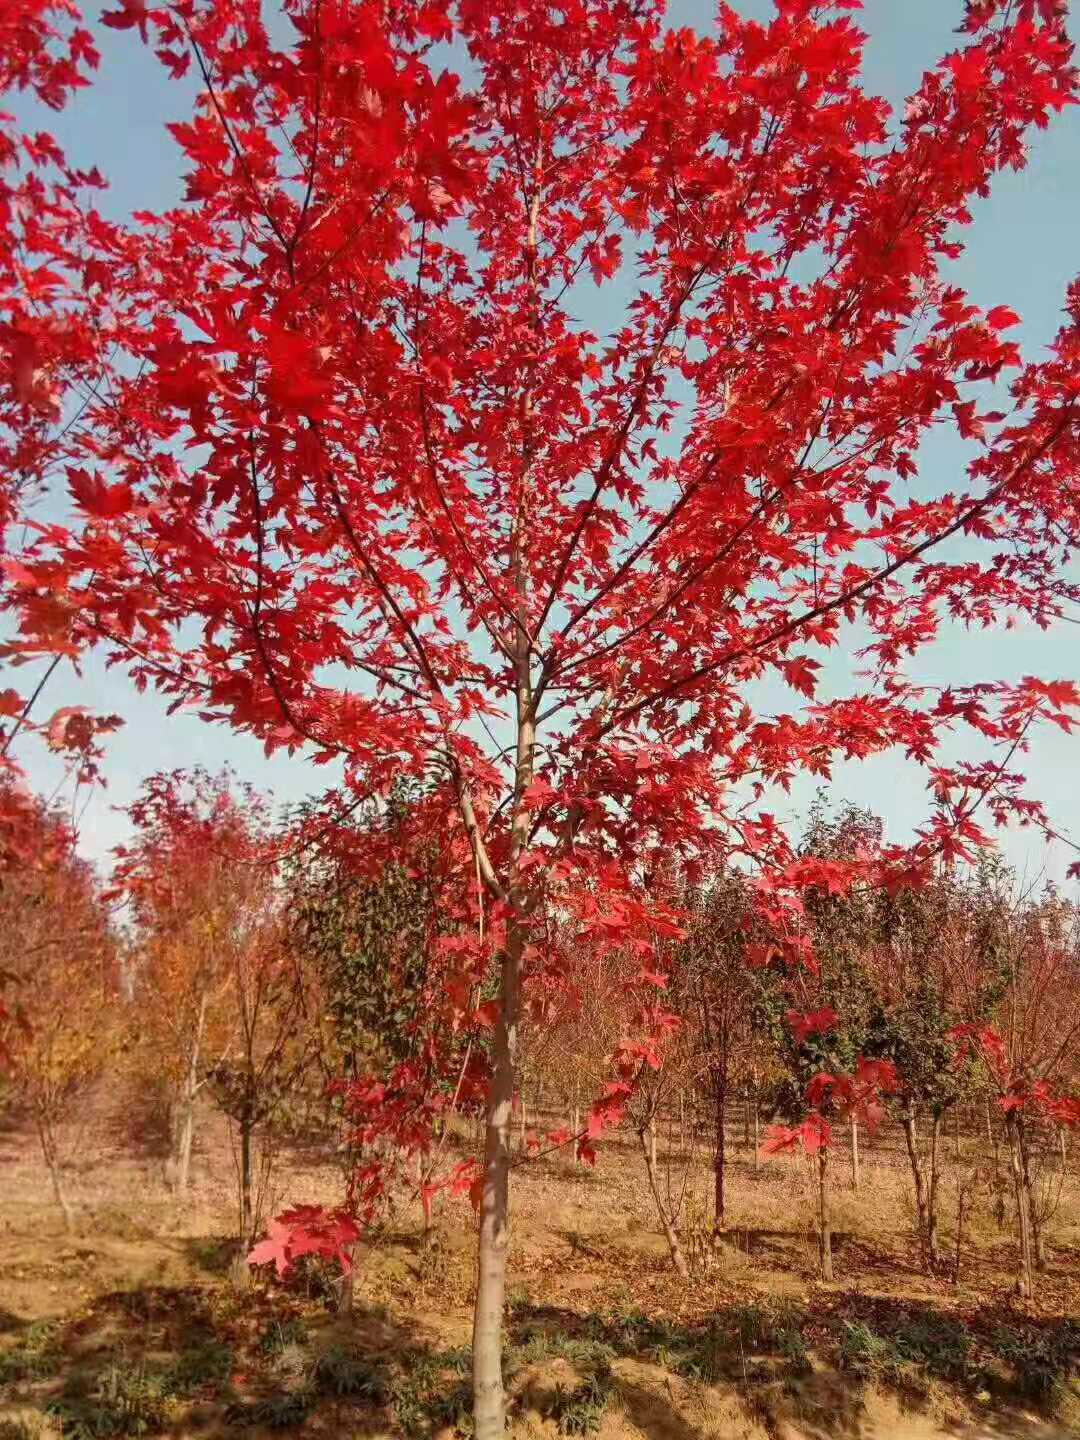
x: 1025, y: 1276
x: 854, y: 1153
x: 51, y: 1156
x: 719, y: 1153
x: 824, y: 1218
x: 678, y: 1259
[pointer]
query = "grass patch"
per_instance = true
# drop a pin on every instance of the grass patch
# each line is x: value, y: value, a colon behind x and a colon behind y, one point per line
x: 37, y: 1357
x: 280, y: 1334
x: 214, y: 1254
x: 341, y: 1372
x: 276, y: 1412
x: 125, y: 1399
x: 433, y: 1392
x: 196, y: 1368
x: 705, y: 1352
x: 1023, y: 1362
x: 1042, y: 1359
x: 580, y: 1410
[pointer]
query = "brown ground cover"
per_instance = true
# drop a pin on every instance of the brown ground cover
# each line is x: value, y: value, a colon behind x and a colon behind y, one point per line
x: 136, y: 1323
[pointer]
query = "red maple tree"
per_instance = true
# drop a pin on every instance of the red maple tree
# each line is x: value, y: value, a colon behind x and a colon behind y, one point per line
x: 356, y: 473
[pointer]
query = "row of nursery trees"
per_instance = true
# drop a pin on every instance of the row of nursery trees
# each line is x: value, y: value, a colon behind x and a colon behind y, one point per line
x: 290, y: 976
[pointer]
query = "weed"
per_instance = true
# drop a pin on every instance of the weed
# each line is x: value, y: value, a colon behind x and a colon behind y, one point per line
x: 862, y: 1350
x: 748, y: 1325
x: 580, y: 1411
x: 792, y: 1347
x: 338, y: 1371
x: 125, y: 1400
x: 277, y: 1412
x: 1041, y: 1359
x: 424, y: 1401
x: 943, y: 1347
x: 459, y: 1359
x: 454, y: 1408
x: 910, y: 1353
x: 317, y: 1279
x: 36, y: 1358
x: 212, y: 1253
x: 540, y: 1344
x: 281, y: 1333
x: 202, y: 1365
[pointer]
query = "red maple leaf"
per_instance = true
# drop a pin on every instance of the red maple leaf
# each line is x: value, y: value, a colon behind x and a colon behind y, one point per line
x: 96, y: 497
x: 814, y: 1022
x: 132, y: 14
x: 1002, y: 317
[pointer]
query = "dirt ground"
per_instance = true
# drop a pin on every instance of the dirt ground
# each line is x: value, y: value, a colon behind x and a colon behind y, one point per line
x: 138, y: 1323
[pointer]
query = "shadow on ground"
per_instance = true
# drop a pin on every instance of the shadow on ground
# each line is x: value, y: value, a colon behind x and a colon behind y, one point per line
x: 213, y: 1359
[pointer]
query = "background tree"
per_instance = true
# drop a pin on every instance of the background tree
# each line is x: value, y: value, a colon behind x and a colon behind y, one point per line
x: 273, y: 1044
x: 713, y: 993
x: 1030, y: 1049
x: 819, y: 1017
x: 935, y: 964
x: 56, y: 944
x: 194, y: 879
x: 362, y: 909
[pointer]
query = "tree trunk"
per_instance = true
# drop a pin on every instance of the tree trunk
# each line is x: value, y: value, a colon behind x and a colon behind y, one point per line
x: 1024, y: 1279
x: 247, y: 1218
x: 931, y: 1193
x: 720, y: 1146
x: 956, y: 1131
x: 488, y: 1397
x: 183, y: 1134
x: 427, y: 1201
x: 854, y: 1153
x: 911, y: 1140
x: 824, y: 1221
x: 184, y: 1117
x: 757, y: 1145
x: 746, y: 1120
x: 989, y: 1126
x: 652, y: 1141
x: 348, y: 1283
x: 678, y: 1259
x: 52, y: 1161
x: 1038, y: 1239
x: 523, y: 1125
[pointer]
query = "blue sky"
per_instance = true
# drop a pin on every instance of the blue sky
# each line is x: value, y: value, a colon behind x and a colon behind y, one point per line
x: 1022, y: 251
